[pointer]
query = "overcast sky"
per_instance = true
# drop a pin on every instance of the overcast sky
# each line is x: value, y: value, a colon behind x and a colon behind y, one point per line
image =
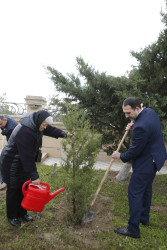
x: 40, y: 33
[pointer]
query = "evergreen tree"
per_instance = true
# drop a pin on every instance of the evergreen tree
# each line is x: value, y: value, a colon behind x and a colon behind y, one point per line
x: 101, y: 96
x: 152, y: 75
x: 80, y: 155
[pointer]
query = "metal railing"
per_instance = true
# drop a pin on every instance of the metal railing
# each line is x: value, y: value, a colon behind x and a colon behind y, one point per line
x: 12, y: 108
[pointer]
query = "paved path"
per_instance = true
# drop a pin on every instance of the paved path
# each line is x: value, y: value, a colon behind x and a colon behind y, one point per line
x: 116, y: 166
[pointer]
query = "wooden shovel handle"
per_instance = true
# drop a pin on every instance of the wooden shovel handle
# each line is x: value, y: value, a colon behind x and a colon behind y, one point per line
x: 108, y: 169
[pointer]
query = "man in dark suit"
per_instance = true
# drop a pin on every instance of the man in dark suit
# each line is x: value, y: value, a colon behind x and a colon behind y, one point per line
x: 148, y: 154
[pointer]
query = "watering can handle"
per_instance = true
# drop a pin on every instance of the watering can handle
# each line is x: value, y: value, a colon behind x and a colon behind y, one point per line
x: 24, y: 185
x: 30, y: 181
x: 45, y: 184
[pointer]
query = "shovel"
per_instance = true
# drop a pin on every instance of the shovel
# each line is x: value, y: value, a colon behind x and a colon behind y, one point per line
x: 89, y: 215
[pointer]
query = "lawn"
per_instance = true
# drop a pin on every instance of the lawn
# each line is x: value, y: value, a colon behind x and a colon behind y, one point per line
x: 50, y: 230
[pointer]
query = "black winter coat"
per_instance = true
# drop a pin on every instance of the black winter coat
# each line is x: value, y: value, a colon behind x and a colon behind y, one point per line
x: 18, y: 155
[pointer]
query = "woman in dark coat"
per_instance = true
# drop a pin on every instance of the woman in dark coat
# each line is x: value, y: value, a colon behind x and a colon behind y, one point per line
x: 18, y: 160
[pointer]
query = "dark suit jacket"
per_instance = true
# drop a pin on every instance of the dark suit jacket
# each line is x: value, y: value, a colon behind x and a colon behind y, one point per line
x: 147, y: 143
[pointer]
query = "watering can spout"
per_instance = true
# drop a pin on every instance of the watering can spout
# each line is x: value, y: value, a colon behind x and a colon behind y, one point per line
x: 51, y: 196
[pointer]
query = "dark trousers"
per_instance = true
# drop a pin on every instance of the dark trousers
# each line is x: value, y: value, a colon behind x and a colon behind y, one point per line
x: 140, y: 196
x: 14, y: 198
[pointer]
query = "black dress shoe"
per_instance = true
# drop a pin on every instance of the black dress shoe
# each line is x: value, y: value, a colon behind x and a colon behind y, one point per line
x: 14, y: 222
x: 27, y: 218
x: 125, y: 232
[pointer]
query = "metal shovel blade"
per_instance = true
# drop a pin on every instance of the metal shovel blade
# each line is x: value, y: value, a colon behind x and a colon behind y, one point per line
x: 88, y: 216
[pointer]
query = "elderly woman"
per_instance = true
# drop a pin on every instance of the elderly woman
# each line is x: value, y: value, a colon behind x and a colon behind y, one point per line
x: 18, y: 160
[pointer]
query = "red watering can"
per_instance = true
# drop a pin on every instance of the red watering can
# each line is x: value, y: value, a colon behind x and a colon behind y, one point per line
x: 36, y: 196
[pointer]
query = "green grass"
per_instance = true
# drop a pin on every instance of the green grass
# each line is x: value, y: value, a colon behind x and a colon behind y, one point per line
x: 49, y: 229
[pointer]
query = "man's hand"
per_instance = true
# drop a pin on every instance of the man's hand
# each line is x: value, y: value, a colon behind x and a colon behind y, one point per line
x: 129, y: 126
x: 115, y: 155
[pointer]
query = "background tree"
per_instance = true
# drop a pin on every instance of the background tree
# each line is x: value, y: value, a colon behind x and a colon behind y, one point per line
x: 3, y: 97
x: 4, y: 107
x: 101, y: 96
x: 152, y: 73
x: 54, y: 108
x: 80, y: 154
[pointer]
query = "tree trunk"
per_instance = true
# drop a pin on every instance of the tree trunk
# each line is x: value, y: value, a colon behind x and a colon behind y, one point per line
x: 124, y: 172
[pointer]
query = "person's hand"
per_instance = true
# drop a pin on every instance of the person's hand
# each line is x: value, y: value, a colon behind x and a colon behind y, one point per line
x: 129, y: 126
x: 69, y: 135
x: 36, y: 182
x: 115, y: 155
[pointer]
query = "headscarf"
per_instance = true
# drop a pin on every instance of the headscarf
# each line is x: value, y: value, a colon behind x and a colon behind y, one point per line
x: 39, y: 117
